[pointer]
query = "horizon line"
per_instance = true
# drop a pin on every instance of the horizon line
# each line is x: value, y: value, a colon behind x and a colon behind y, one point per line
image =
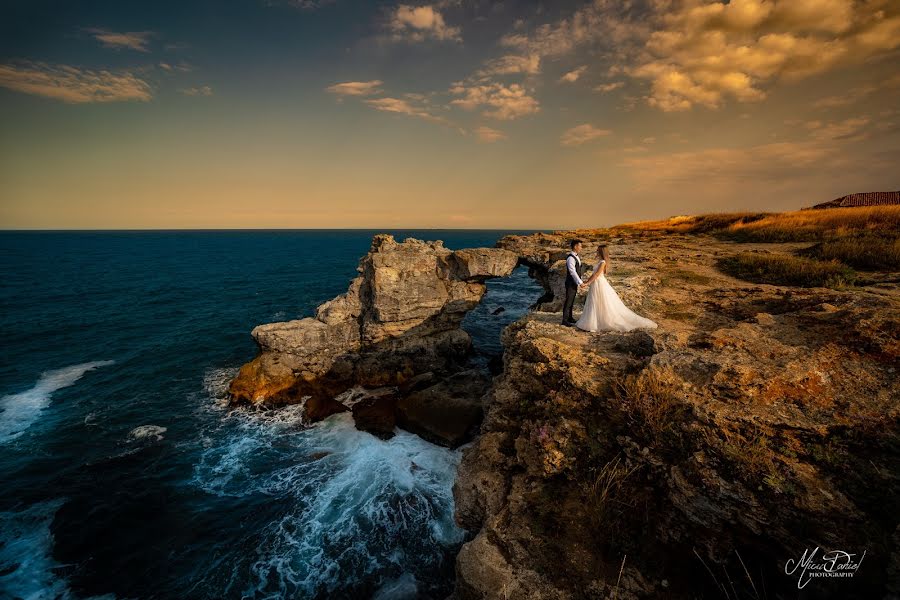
x: 48, y: 230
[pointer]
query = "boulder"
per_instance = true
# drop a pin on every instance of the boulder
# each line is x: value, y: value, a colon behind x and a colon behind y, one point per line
x: 447, y: 413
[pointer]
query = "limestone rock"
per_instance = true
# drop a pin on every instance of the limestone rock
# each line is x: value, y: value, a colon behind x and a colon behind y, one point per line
x: 399, y: 318
x: 756, y: 420
x: 447, y: 413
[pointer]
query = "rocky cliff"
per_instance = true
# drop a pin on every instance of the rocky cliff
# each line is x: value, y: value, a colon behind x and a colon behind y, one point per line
x: 396, y: 328
x: 693, y: 460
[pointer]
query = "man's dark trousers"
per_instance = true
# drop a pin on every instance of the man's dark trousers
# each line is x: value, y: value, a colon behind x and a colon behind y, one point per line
x: 569, y: 304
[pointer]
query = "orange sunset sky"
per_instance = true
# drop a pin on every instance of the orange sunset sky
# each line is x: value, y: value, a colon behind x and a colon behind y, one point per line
x: 454, y: 114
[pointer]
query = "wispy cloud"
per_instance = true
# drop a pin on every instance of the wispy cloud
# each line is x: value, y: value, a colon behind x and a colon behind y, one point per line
x: 134, y: 40
x: 183, y: 67
x: 856, y: 94
x: 420, y: 23
x: 404, y: 107
x: 512, y: 64
x: 489, y: 135
x: 356, y: 88
x: 203, y: 90
x: 574, y: 75
x: 582, y: 134
x: 72, y: 84
x: 502, y: 102
x: 605, y: 88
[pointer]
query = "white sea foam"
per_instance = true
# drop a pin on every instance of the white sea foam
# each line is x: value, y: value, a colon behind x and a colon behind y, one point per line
x: 402, y: 588
x: 20, y: 411
x: 26, y: 556
x: 352, y: 508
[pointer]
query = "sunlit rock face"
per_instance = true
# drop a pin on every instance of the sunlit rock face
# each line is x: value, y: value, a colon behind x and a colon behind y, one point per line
x: 398, y: 319
x: 755, y: 422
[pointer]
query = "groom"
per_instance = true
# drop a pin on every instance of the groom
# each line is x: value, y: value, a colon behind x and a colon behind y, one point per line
x: 574, y: 269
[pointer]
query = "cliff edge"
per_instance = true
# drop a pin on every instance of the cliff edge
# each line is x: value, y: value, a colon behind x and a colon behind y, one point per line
x: 694, y: 460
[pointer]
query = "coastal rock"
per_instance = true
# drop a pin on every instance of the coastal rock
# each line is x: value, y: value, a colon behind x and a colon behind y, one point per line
x: 398, y: 319
x: 754, y: 422
x: 447, y: 413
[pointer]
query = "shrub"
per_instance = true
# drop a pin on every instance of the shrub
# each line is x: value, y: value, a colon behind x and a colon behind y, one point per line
x: 785, y: 269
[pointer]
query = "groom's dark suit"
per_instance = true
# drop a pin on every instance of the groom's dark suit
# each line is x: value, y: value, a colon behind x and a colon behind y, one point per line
x: 571, y: 286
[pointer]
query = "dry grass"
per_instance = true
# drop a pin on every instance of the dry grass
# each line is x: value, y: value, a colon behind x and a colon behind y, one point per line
x: 819, y: 225
x: 709, y: 223
x: 604, y: 488
x: 795, y: 226
x: 649, y: 401
x: 867, y: 253
x: 785, y: 269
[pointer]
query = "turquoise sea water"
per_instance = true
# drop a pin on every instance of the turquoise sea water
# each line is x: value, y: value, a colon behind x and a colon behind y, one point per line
x: 125, y: 475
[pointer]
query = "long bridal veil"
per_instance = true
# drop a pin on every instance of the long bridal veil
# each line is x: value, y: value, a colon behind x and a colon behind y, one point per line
x: 605, y: 311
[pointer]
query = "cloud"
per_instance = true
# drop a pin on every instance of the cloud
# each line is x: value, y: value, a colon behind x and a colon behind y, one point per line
x: 418, y: 23
x: 512, y: 64
x: 695, y: 52
x: 848, y: 129
x: 767, y: 162
x: 572, y: 76
x: 502, y: 102
x: 182, y: 67
x: 488, y: 135
x: 707, y: 53
x: 854, y: 95
x: 605, y: 88
x: 135, y: 40
x: 203, y: 90
x: 73, y: 85
x: 582, y: 134
x: 404, y: 107
x: 355, y: 88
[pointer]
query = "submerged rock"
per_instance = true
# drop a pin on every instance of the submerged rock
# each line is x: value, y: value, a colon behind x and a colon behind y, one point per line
x: 147, y: 432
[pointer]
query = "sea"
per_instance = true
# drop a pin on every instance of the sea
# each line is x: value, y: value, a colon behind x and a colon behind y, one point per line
x: 125, y: 474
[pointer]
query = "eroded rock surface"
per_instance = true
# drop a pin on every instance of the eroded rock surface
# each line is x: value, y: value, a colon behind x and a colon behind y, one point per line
x: 755, y: 422
x: 399, y: 319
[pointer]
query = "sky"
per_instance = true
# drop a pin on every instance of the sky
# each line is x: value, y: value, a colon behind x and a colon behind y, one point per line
x: 453, y: 114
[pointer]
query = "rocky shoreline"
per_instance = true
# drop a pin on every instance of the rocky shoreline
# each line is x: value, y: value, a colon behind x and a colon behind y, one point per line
x: 688, y: 461
x: 387, y: 347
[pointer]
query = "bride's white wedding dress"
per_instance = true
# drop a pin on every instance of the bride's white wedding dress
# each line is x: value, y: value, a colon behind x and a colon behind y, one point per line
x: 605, y: 311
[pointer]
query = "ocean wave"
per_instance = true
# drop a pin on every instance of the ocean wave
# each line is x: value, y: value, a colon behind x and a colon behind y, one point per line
x: 353, y: 512
x: 20, y: 411
x: 26, y: 556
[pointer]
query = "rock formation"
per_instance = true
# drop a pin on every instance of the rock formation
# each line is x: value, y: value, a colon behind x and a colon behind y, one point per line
x: 399, y: 319
x: 692, y: 460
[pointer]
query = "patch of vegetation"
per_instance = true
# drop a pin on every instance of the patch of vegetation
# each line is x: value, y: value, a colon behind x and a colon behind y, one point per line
x: 795, y: 226
x: 785, y: 269
x: 604, y: 490
x: 818, y: 225
x: 654, y: 409
x: 867, y: 253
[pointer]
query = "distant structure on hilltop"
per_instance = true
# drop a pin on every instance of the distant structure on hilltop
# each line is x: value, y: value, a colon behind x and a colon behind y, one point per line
x: 863, y: 199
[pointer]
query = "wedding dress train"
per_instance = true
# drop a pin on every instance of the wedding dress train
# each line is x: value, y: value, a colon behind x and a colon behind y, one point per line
x: 605, y: 311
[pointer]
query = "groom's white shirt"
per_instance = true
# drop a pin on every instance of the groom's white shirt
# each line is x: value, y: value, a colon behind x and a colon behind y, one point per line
x: 570, y: 264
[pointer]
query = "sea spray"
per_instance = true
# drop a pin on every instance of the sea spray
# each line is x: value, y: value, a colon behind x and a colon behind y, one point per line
x: 20, y: 411
x: 351, y: 513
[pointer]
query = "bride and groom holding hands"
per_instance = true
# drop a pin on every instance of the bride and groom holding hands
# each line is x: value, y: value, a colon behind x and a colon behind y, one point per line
x: 603, y: 309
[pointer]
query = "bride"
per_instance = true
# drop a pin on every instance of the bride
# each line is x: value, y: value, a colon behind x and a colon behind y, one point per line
x: 603, y: 309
